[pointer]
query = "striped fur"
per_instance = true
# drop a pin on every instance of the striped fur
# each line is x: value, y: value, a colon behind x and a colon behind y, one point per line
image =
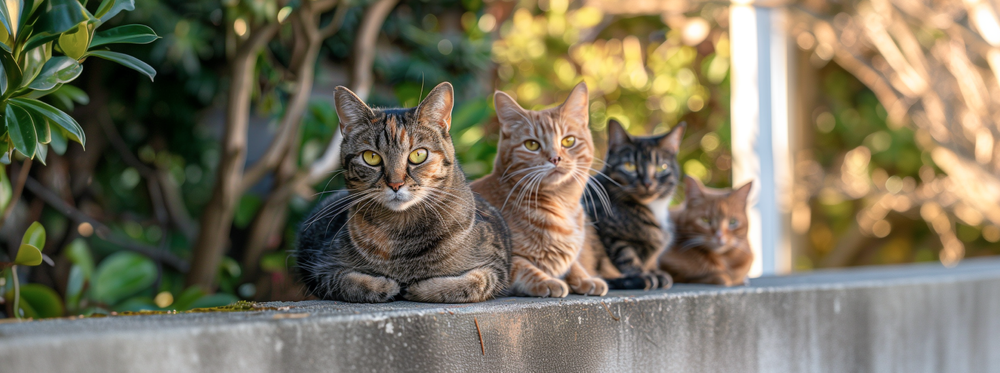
x: 633, y: 228
x: 538, y: 192
x: 430, y: 240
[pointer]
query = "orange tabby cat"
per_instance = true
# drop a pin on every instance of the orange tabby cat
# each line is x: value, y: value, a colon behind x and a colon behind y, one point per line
x: 710, y: 244
x: 538, y: 179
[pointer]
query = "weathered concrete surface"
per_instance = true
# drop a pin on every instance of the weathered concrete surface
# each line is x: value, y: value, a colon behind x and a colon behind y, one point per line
x: 889, y: 319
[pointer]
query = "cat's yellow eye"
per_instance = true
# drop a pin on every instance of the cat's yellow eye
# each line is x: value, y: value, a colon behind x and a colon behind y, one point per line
x: 532, y: 145
x: 706, y: 221
x: 568, y: 141
x: 371, y: 158
x: 734, y: 223
x: 629, y: 166
x: 662, y: 167
x: 418, y: 156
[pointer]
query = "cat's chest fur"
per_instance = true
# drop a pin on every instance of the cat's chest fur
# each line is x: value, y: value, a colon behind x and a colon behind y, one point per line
x: 661, y: 211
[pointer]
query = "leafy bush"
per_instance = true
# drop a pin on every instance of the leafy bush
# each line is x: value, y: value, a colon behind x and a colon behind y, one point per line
x: 32, y: 31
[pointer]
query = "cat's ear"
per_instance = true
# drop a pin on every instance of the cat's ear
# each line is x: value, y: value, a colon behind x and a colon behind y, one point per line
x: 671, y: 141
x: 435, y: 109
x: 693, y: 188
x: 508, y: 111
x: 575, y: 109
x: 617, y: 135
x: 740, y: 195
x: 351, y: 110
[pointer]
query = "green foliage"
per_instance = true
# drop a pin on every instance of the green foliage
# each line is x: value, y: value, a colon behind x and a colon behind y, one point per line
x: 121, y: 275
x: 37, y: 301
x: 30, y: 300
x: 639, y: 70
x: 30, y: 71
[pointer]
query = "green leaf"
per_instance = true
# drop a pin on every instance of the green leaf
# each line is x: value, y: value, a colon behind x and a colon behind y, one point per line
x: 5, y: 38
x: 75, y: 42
x: 122, y: 275
x: 34, y: 62
x: 79, y: 254
x: 58, y: 142
x: 127, y: 61
x: 38, y: 39
x: 62, y: 99
x: 111, y: 8
x: 59, y: 16
x: 41, y: 153
x: 229, y: 267
x: 34, y: 236
x: 57, y: 70
x: 74, y: 287
x: 3, y: 73
x: 187, y: 298
x: 61, y: 119
x: 75, y: 94
x: 38, y: 301
x: 12, y: 71
x: 42, y: 131
x: 5, y: 19
x: 28, y: 255
x: 6, y: 192
x: 126, y: 34
x: 21, y: 130
x: 135, y: 304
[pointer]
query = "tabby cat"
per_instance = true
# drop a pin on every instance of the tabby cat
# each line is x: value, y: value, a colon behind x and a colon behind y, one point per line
x: 632, y: 227
x: 711, y: 245
x: 408, y: 225
x: 540, y: 172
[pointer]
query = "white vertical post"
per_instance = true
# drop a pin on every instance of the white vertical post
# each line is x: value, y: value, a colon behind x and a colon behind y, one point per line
x: 760, y: 123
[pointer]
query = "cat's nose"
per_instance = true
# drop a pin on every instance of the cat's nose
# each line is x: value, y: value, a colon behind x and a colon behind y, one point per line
x: 647, y: 183
x: 555, y: 160
x: 395, y: 186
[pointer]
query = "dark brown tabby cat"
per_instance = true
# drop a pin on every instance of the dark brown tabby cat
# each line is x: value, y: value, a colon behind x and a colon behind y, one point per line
x: 408, y: 225
x: 632, y: 227
x: 711, y: 245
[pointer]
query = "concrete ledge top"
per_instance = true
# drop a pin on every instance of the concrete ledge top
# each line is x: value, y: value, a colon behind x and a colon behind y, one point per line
x: 810, y: 317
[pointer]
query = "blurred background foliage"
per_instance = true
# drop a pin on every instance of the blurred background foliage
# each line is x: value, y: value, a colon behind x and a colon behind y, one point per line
x: 154, y: 148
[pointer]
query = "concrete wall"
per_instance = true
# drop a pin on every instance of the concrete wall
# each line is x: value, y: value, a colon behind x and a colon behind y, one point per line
x: 889, y: 319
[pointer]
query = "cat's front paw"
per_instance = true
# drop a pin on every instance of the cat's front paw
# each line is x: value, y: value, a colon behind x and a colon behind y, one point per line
x: 371, y: 289
x: 384, y: 289
x: 552, y: 287
x: 663, y: 280
x: 590, y: 286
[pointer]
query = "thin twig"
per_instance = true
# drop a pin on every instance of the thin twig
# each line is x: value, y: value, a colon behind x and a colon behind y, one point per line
x: 481, y: 344
x: 17, y: 292
x: 78, y: 216
x: 609, y: 311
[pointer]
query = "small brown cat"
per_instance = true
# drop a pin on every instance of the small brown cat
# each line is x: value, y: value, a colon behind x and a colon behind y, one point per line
x: 539, y: 176
x: 710, y: 245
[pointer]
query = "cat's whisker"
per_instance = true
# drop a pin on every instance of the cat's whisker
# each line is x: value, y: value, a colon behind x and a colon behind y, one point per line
x: 334, y: 176
x: 523, y: 170
x: 606, y: 177
x: 602, y: 193
x: 526, y: 177
x: 326, y: 211
x: 437, y: 201
x: 526, y: 190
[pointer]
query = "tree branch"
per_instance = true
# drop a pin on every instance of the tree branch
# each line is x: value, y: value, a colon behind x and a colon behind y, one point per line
x: 362, y: 81
x: 103, y: 231
x: 217, y: 218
